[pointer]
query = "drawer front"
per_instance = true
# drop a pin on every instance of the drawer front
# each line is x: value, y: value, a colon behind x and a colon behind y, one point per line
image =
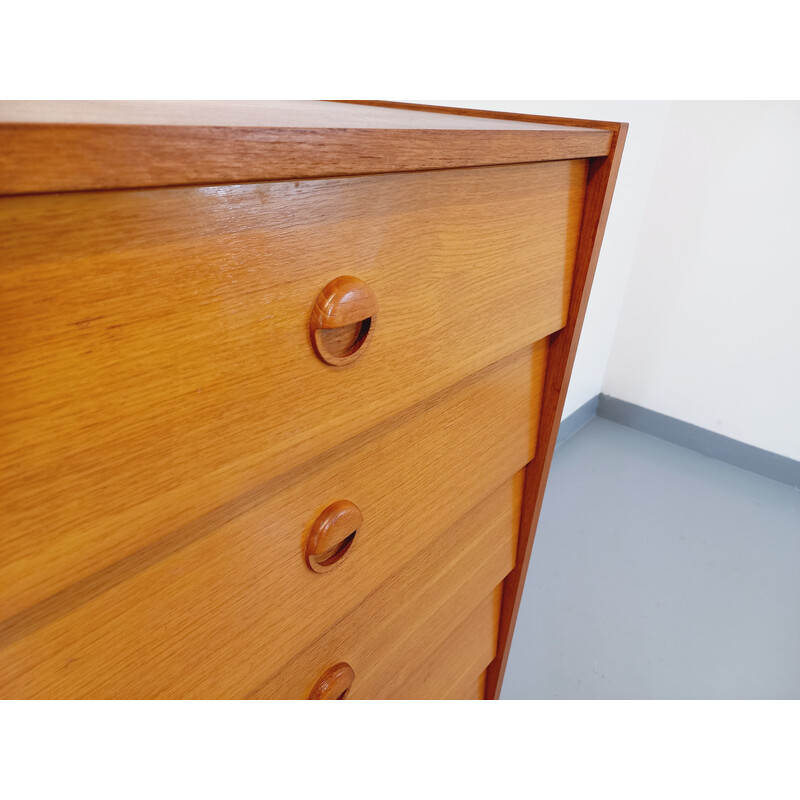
x: 156, y: 355
x: 463, y: 656
x: 214, y: 612
x: 469, y: 688
x: 389, y: 636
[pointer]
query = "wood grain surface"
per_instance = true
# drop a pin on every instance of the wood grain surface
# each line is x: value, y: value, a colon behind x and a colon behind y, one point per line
x: 286, y: 114
x: 469, y: 688
x: 72, y: 146
x: 218, y: 607
x: 563, y: 346
x: 332, y: 535
x: 169, y: 434
x: 334, y: 684
x: 342, y: 320
x: 156, y: 360
x: 397, y: 628
x: 462, y: 656
x: 490, y: 117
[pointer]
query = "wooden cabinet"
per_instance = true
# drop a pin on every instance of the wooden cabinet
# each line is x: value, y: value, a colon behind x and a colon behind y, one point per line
x: 280, y: 388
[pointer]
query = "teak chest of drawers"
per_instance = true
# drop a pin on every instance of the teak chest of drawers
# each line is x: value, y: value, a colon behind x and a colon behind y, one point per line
x: 280, y: 388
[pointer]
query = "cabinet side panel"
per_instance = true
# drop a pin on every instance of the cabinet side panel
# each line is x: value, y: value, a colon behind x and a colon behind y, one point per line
x: 561, y: 356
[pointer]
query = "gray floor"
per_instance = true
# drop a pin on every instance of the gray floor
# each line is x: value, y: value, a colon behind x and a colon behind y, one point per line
x: 658, y: 573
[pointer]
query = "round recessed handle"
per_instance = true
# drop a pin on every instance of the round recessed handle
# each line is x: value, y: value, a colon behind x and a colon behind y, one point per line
x: 342, y: 320
x: 334, y: 684
x: 332, y: 535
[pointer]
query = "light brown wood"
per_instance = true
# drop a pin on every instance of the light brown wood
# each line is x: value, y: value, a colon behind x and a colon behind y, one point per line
x: 220, y: 606
x: 563, y: 346
x: 332, y: 535
x: 180, y: 418
x: 470, y: 688
x: 335, y: 683
x: 345, y: 303
x: 395, y: 630
x: 72, y: 146
x: 156, y: 368
x: 489, y: 117
x: 464, y: 654
x: 286, y: 114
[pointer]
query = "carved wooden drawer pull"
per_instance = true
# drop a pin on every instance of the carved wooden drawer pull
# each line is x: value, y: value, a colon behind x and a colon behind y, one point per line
x: 342, y: 320
x: 334, y: 684
x: 332, y: 535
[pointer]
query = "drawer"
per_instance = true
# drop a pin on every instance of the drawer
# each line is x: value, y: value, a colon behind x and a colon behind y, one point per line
x: 156, y: 357
x: 391, y: 635
x: 462, y: 657
x: 469, y: 688
x: 220, y: 606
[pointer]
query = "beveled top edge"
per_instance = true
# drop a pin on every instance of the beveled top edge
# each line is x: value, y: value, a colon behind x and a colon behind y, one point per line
x: 77, y: 146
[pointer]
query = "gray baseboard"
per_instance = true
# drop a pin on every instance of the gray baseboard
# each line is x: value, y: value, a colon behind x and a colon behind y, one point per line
x: 576, y: 420
x: 715, y: 445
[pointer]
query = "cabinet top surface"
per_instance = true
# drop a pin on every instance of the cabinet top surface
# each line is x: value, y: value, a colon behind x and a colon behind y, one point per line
x: 68, y: 146
x: 303, y: 114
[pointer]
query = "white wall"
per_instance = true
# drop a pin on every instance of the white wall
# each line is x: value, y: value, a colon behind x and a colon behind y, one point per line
x: 710, y: 326
x: 646, y: 121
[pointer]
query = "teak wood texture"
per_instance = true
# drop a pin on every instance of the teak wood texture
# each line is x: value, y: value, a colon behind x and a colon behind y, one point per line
x: 334, y: 329
x: 156, y: 357
x: 393, y: 634
x: 332, y: 535
x: 223, y: 604
x: 71, y: 146
x: 462, y: 656
x: 335, y: 683
x: 602, y: 177
x: 342, y: 319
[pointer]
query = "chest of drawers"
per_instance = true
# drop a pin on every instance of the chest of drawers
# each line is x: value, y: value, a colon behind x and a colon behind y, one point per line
x: 280, y: 389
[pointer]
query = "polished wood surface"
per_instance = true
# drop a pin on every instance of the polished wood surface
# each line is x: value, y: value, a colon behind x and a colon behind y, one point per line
x: 332, y: 535
x: 462, y: 656
x: 344, y: 301
x: 335, y: 683
x: 394, y: 632
x: 564, y: 344
x: 75, y: 146
x: 470, y: 688
x: 346, y: 305
x: 194, y: 432
x: 492, y: 117
x: 156, y: 362
x: 284, y: 114
x: 222, y: 604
